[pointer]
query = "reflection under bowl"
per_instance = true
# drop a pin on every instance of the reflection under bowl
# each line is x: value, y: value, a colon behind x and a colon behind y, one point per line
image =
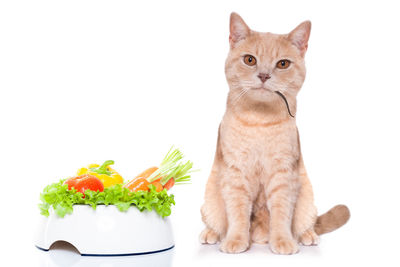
x: 62, y: 254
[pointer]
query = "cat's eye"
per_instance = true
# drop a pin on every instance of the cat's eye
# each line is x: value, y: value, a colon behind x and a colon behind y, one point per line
x: 283, y: 64
x: 249, y: 60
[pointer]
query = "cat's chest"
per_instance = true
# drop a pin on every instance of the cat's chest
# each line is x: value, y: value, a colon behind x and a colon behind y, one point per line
x: 255, y: 147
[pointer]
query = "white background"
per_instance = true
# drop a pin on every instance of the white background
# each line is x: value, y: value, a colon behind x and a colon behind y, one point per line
x: 87, y: 81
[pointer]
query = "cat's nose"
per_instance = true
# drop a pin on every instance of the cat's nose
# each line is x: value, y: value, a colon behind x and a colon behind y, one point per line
x: 263, y: 76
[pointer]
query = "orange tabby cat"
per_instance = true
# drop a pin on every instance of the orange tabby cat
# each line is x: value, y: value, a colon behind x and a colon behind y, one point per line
x: 258, y: 189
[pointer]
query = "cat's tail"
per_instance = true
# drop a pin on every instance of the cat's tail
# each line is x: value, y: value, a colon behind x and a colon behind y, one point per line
x: 332, y: 220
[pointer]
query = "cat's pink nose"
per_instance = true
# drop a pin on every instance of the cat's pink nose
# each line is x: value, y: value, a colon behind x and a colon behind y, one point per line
x: 263, y: 76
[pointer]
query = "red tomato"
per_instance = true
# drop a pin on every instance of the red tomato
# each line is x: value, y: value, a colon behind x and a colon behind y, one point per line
x: 71, y: 182
x: 84, y: 182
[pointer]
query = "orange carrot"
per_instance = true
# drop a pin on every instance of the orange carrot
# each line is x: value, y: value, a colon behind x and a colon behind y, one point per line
x: 158, y: 186
x: 138, y: 184
x: 169, y: 184
x: 146, y: 174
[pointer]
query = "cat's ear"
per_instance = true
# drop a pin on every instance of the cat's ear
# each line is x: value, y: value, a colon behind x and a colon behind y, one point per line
x: 299, y: 36
x: 238, y: 29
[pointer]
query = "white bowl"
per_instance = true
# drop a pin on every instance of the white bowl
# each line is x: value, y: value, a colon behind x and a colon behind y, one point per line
x: 107, y: 231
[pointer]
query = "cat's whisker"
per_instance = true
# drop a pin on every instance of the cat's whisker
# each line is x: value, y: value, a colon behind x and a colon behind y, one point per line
x: 238, y: 96
x: 242, y: 93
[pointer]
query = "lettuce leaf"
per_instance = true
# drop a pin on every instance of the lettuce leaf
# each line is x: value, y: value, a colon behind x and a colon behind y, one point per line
x: 62, y: 200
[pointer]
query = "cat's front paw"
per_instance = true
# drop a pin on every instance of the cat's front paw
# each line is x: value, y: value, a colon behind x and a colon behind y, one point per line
x: 309, y: 238
x: 208, y: 236
x: 234, y: 245
x: 284, y: 245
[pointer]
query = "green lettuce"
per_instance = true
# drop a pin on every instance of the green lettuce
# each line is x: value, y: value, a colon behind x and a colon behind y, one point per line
x: 62, y: 200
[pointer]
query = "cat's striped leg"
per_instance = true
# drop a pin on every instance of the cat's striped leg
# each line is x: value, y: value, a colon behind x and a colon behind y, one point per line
x: 281, y: 197
x: 238, y: 206
x: 260, y: 220
x: 305, y: 213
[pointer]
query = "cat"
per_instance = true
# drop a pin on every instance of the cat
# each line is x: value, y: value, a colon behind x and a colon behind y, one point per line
x: 258, y: 189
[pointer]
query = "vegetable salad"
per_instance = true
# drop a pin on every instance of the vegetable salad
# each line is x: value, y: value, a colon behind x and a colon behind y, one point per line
x: 100, y: 185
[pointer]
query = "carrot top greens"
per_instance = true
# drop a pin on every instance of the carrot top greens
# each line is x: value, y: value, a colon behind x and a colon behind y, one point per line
x: 173, y: 166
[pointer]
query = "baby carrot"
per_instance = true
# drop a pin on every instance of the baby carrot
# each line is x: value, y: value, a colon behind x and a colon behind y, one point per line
x: 138, y: 184
x: 168, y: 184
x: 146, y: 174
x: 158, y: 186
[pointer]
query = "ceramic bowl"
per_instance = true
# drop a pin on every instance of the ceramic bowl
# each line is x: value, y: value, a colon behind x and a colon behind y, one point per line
x: 107, y: 231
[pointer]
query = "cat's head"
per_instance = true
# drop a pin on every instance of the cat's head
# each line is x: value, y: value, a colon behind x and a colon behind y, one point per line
x: 259, y: 64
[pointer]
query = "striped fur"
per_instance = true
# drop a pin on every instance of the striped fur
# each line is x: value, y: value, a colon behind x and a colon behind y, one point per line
x: 258, y: 189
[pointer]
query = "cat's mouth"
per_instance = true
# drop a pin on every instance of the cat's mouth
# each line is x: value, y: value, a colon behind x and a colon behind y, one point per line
x: 262, y: 88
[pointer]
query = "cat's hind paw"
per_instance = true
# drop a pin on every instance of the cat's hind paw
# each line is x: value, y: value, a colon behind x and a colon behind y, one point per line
x: 309, y: 238
x: 260, y: 234
x: 208, y: 236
